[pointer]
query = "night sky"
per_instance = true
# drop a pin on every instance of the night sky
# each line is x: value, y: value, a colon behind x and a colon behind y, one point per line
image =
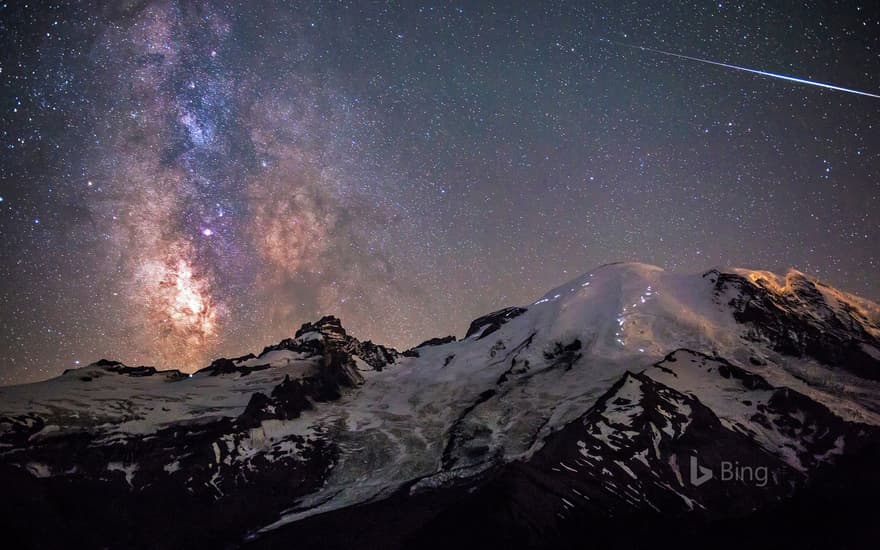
x: 187, y: 180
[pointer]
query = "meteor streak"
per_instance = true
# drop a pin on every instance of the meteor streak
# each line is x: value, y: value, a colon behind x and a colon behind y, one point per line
x: 746, y: 69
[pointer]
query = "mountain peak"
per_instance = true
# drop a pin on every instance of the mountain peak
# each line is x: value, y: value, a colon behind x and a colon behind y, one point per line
x: 594, y: 400
x: 327, y: 325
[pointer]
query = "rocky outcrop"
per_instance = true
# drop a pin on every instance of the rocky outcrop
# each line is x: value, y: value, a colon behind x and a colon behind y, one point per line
x: 333, y: 335
x: 488, y: 324
x: 231, y: 366
x: 798, y: 319
x: 414, y: 352
x: 624, y: 408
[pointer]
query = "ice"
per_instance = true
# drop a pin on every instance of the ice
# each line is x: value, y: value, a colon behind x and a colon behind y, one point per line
x: 510, y: 384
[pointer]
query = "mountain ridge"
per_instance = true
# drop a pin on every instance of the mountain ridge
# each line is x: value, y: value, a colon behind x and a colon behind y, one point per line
x: 585, y: 406
x: 779, y: 285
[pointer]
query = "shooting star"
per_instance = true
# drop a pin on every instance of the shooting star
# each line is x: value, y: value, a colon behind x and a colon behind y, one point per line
x: 745, y: 69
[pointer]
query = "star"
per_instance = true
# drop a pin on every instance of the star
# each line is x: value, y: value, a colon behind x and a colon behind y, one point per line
x: 245, y: 174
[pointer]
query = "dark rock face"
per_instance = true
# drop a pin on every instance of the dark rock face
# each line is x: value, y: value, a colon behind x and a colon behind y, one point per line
x: 20, y: 429
x: 488, y: 324
x: 414, y: 352
x: 799, y: 321
x: 726, y: 369
x: 461, y: 434
x: 290, y: 398
x: 375, y: 355
x: 119, y: 368
x: 564, y: 355
x: 91, y: 510
x: 437, y: 341
x: 632, y: 453
x: 328, y: 335
x: 116, y: 367
x: 330, y: 328
x: 229, y: 366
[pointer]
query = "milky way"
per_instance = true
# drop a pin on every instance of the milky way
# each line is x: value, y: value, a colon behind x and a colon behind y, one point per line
x: 186, y: 180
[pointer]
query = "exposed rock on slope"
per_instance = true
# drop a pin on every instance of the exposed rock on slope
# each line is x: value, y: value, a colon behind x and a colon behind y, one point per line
x: 628, y: 396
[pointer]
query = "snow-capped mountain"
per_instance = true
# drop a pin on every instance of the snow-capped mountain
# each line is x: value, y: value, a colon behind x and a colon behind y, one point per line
x: 625, y: 404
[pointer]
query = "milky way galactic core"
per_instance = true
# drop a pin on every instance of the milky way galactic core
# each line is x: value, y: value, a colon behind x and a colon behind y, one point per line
x: 181, y: 180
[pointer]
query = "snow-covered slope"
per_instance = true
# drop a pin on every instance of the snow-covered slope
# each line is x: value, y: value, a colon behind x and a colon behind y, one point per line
x: 602, y: 389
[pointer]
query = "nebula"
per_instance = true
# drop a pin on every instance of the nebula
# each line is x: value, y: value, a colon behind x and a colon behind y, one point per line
x: 186, y: 180
x: 229, y: 196
x: 183, y: 316
x: 292, y: 206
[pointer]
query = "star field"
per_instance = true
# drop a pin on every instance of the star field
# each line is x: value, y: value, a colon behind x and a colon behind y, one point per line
x: 181, y: 181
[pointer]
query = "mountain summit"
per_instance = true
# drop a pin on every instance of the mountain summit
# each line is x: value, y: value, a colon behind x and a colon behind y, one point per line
x: 626, y: 405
